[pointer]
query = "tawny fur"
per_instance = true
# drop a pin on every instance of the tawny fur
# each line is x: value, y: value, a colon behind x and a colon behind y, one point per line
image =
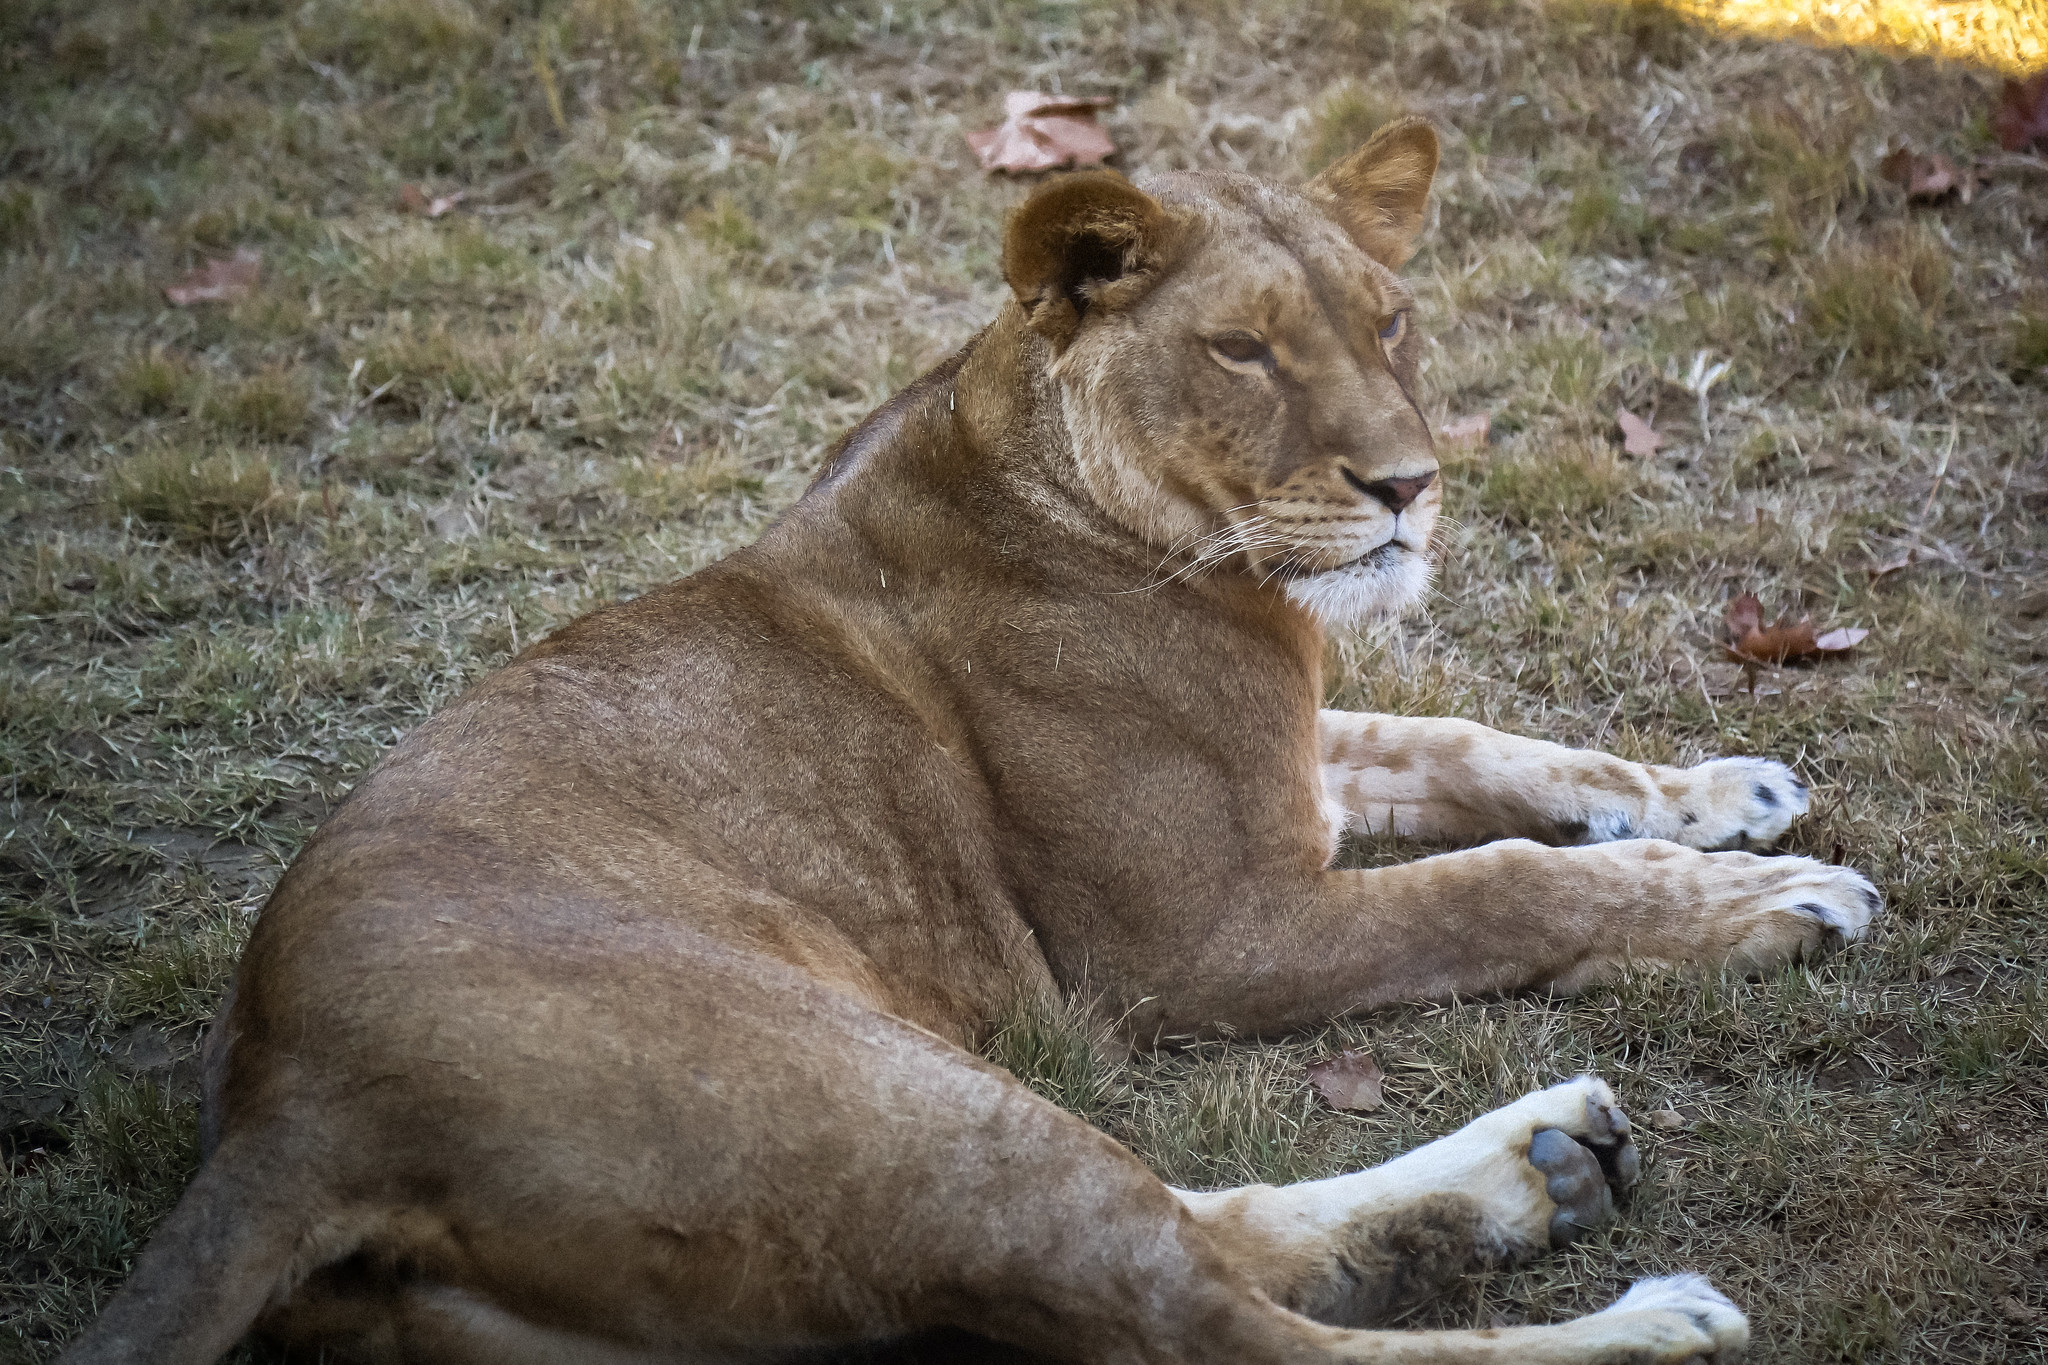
x: 622, y: 1013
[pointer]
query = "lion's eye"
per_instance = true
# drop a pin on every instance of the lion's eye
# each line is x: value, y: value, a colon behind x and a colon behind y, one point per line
x: 1392, y: 329
x: 1242, y: 348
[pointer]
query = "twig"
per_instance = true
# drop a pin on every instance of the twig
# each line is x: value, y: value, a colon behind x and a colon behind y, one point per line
x: 548, y: 87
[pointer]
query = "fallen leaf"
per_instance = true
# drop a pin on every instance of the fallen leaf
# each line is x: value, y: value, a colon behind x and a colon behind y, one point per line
x: 413, y: 199
x: 2021, y: 116
x: 1927, y: 177
x: 1745, y: 614
x: 2018, y: 1310
x: 1777, y: 643
x: 1467, y: 431
x: 218, y: 281
x: 1892, y: 566
x: 1841, y: 639
x: 1040, y: 132
x: 1349, y: 1080
x: 1750, y: 641
x: 1665, y: 1120
x: 1638, y: 437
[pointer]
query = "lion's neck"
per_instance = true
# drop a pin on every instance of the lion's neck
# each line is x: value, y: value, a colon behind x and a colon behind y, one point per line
x: 1026, y: 425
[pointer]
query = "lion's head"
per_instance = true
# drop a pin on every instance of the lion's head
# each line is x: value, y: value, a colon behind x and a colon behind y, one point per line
x: 1236, y: 362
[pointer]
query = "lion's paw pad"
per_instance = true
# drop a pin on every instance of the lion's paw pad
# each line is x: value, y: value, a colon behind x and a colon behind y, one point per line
x: 1573, y: 1179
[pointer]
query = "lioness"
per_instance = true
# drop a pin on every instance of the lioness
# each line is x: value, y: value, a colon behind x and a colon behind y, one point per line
x: 625, y: 1012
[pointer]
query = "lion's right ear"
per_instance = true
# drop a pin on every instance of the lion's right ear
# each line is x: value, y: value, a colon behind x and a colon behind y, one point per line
x: 1380, y: 192
x: 1082, y: 241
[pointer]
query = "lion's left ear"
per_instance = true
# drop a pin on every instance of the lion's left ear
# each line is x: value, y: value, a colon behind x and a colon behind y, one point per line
x: 1379, y: 192
x: 1082, y: 241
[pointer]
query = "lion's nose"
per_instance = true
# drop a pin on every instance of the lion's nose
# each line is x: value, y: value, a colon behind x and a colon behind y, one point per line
x: 1392, y: 494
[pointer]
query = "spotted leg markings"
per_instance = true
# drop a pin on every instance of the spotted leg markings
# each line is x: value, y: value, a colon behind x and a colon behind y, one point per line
x: 1679, y: 1318
x: 1736, y: 803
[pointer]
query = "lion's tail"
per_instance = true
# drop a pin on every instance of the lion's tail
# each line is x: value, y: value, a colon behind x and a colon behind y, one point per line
x: 210, y: 1266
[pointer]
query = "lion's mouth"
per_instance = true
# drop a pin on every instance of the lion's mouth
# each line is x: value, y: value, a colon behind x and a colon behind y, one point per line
x: 1377, y: 555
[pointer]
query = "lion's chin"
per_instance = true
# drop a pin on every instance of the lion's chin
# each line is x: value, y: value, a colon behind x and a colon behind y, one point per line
x: 1384, y: 583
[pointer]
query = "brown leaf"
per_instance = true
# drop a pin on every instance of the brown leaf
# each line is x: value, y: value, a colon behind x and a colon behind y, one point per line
x: 1750, y: 641
x: 1745, y: 615
x: 1927, y: 177
x: 1777, y: 643
x: 218, y: 281
x: 1349, y: 1080
x: 1665, y: 1120
x: 1638, y: 437
x: 413, y: 199
x: 1040, y: 132
x: 2021, y: 116
x: 1467, y: 431
x: 2016, y: 1309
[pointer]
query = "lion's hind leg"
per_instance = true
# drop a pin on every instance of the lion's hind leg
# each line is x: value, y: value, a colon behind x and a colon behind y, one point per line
x: 1512, y: 1183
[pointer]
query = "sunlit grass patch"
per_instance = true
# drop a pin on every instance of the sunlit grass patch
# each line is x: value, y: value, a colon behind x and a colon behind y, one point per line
x: 2007, y: 35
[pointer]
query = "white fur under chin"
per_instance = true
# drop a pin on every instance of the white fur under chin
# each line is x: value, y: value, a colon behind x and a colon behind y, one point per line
x: 1360, y: 592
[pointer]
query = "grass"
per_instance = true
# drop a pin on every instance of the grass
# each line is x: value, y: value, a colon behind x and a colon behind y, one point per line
x: 249, y: 545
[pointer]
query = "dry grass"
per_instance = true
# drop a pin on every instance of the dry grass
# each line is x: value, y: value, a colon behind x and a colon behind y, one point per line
x: 249, y: 545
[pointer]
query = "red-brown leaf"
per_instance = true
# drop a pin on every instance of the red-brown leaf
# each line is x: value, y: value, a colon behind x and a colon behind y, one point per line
x: 1775, y: 644
x: 1750, y: 641
x: 1040, y: 132
x: 218, y: 281
x: 1466, y: 431
x: 1638, y: 437
x: 1745, y: 615
x: 2020, y: 118
x: 1926, y: 177
x: 413, y: 199
x: 1349, y: 1080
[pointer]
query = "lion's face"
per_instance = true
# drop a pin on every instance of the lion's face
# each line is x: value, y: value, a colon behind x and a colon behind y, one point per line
x: 1237, y: 383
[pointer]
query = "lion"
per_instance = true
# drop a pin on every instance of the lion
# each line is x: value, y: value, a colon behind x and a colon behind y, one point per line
x: 626, y: 1012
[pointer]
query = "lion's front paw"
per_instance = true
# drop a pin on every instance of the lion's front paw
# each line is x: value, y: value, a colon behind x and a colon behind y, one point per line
x: 1784, y: 909
x: 1732, y: 803
x: 1678, y: 1318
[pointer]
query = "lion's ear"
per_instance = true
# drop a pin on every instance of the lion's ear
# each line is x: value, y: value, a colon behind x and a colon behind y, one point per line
x: 1088, y: 240
x: 1379, y: 192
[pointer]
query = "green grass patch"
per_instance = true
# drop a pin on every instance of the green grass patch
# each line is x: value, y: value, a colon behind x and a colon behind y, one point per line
x: 216, y: 498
